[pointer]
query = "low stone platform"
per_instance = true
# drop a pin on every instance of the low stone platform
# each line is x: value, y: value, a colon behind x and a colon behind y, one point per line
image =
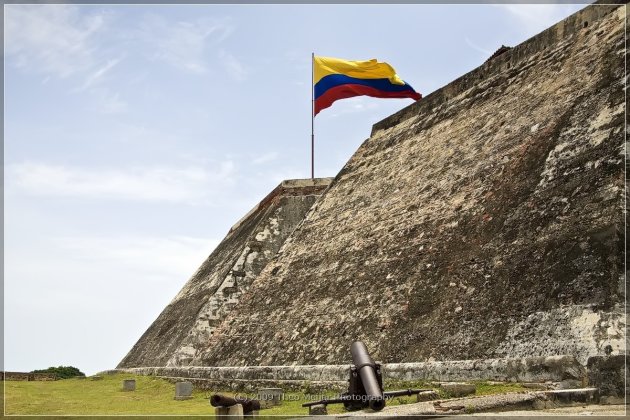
x: 498, y: 402
x: 529, y: 369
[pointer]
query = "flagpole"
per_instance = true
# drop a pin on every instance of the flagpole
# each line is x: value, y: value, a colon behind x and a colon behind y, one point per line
x: 312, y: 116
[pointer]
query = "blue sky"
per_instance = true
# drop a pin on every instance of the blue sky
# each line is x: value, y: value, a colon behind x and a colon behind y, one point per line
x: 135, y: 136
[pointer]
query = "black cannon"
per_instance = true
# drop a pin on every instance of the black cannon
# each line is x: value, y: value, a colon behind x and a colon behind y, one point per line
x: 365, y: 386
x: 365, y: 378
x: 249, y: 405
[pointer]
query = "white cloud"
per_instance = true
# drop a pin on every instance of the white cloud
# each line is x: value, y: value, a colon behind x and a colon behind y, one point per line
x: 154, y: 257
x: 51, y: 39
x: 118, y: 283
x: 192, y: 184
x: 233, y: 66
x: 267, y: 157
x: 60, y: 41
x: 98, y: 74
x: 352, y: 105
x: 183, y: 44
x: 535, y: 18
x: 476, y: 47
x: 108, y: 101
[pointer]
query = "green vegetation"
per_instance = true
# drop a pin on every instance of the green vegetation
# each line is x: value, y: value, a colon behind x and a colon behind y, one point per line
x: 485, y: 388
x: 482, y: 387
x: 154, y: 396
x: 93, y: 397
x: 62, y: 372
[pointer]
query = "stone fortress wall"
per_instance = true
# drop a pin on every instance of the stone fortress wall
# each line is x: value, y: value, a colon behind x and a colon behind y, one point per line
x: 483, y: 222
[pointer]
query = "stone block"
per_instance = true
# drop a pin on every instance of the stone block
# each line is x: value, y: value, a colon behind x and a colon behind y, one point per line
x: 234, y: 412
x: 570, y: 384
x: 183, y: 391
x: 427, y: 396
x: 573, y: 396
x: 270, y: 397
x: 535, y: 386
x: 613, y: 401
x: 458, y: 389
x: 317, y: 410
x: 607, y: 374
x: 129, y: 384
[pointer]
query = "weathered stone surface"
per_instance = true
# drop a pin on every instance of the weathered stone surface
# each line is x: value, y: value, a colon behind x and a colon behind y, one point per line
x: 530, y: 369
x: 458, y: 389
x: 129, y: 385
x: 234, y: 412
x: 570, y: 396
x: 190, y: 320
x: 507, y: 183
x: 607, y: 373
x: 183, y: 390
x: 269, y: 397
x: 427, y: 396
x: 29, y: 376
x: 317, y: 410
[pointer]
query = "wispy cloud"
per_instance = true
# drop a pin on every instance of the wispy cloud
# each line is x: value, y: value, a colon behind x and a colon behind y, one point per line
x: 352, y: 105
x: 109, y: 102
x: 184, y: 44
x: 186, y: 184
x: 537, y: 17
x: 97, y: 75
x: 476, y: 47
x: 63, y: 41
x: 171, y: 256
x: 51, y: 39
x: 232, y: 66
x: 266, y: 158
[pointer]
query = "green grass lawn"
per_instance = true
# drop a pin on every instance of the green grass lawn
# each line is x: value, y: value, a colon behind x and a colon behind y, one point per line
x: 153, y: 396
x: 86, y: 396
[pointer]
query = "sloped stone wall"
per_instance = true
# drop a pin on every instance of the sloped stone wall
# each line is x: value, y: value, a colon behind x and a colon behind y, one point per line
x: 189, y: 321
x: 483, y: 221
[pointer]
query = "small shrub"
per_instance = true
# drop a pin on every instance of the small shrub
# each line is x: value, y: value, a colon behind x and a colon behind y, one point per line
x: 62, y: 372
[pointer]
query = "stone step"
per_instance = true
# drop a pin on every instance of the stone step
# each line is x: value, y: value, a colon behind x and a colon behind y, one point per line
x: 559, y: 397
x: 536, y: 400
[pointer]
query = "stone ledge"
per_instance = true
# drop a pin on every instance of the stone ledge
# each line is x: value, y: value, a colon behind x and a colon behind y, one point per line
x: 247, y: 385
x: 314, y: 186
x: 528, y: 369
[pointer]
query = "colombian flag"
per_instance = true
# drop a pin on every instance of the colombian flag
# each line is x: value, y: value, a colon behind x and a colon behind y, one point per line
x: 335, y: 79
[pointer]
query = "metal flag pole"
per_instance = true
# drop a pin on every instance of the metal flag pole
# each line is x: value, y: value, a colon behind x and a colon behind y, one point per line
x: 312, y: 116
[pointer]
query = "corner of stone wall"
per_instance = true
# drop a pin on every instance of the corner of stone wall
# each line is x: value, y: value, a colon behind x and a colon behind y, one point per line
x: 608, y: 374
x: 552, y: 35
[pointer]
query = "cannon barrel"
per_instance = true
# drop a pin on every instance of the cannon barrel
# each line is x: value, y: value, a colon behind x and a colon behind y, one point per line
x: 366, y: 368
x: 325, y: 402
x: 403, y: 393
x: 249, y: 405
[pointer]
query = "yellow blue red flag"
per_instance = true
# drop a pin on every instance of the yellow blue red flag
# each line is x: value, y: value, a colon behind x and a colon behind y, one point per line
x: 335, y: 79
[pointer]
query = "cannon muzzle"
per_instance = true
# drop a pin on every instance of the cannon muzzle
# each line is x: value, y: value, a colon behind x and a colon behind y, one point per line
x: 249, y: 405
x: 366, y: 368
